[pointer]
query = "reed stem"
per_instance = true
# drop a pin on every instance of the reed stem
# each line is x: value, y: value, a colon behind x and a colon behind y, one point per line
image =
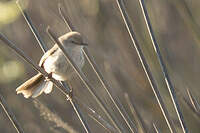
x: 145, y: 66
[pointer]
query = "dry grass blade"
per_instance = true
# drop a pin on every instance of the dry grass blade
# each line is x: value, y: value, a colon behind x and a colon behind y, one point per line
x: 193, y: 101
x: 48, y: 115
x: 66, y: 19
x: 10, y: 115
x: 33, y: 29
x: 105, y: 85
x: 79, y: 114
x: 188, y: 18
x: 188, y: 103
x: 155, y: 128
x: 100, y: 123
x: 92, y: 113
x: 136, y: 113
x: 163, y: 67
x: 95, y: 68
x: 145, y: 66
x: 84, y: 79
x: 133, y: 125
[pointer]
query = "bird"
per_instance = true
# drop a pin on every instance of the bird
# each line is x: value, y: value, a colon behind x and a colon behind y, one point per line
x: 55, y: 64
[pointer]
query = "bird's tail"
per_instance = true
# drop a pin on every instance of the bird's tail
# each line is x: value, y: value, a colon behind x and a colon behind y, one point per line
x: 35, y: 86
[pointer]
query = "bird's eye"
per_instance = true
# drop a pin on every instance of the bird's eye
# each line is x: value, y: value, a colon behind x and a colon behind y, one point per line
x: 72, y: 41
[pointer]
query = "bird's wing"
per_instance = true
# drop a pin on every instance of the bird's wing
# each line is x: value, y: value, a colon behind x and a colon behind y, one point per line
x: 48, y: 87
x: 47, y: 54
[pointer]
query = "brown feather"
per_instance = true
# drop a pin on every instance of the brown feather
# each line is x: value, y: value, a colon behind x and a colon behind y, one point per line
x: 31, y: 82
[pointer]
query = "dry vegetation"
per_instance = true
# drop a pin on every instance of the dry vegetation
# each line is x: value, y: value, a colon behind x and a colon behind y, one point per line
x: 176, y: 26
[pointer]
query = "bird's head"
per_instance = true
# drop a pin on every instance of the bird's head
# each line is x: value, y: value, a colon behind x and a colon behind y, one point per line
x: 72, y: 39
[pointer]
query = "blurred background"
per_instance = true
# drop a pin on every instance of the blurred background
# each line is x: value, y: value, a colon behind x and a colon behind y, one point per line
x: 176, y: 26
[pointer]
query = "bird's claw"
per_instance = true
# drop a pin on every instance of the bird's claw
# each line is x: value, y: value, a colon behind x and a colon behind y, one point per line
x: 70, y: 95
x: 48, y: 78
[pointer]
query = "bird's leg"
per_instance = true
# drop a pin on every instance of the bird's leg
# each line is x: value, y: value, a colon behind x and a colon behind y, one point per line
x: 70, y: 90
x: 48, y: 77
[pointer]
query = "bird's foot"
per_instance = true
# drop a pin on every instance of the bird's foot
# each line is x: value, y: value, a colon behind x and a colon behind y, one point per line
x: 70, y: 95
x: 48, y: 78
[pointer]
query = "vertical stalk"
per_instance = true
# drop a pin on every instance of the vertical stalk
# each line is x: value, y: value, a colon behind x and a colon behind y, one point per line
x: 10, y: 115
x: 96, y: 70
x: 84, y: 79
x: 136, y: 113
x: 163, y: 67
x: 145, y: 66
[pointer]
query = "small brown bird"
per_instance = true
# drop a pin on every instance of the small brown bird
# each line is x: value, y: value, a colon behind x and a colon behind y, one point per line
x: 54, y: 63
